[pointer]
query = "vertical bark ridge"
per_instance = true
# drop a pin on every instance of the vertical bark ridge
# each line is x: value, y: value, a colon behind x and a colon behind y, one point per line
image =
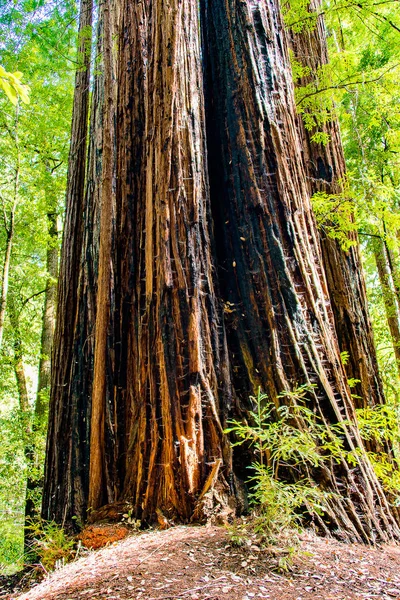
x: 281, y: 326
x: 104, y: 279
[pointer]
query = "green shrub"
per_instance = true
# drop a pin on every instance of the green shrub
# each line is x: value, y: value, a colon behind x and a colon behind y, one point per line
x: 51, y: 546
x: 286, y: 438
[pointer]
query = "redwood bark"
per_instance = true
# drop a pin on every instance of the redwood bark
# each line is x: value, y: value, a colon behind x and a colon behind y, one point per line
x: 104, y: 283
x: 326, y: 171
x: 281, y: 330
x: 175, y: 386
x: 157, y: 408
x: 62, y: 479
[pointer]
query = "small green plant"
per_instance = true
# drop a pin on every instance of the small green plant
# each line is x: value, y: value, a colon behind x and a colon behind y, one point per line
x: 287, y: 438
x: 51, y: 546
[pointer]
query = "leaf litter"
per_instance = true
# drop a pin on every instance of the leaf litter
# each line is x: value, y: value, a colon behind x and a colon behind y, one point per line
x: 201, y: 563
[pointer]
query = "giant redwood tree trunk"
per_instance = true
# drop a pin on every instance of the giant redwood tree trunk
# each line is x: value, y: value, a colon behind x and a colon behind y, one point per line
x: 139, y: 416
x: 281, y: 329
x: 326, y: 172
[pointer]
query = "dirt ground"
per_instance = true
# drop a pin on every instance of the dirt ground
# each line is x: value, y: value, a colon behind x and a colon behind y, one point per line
x: 200, y: 563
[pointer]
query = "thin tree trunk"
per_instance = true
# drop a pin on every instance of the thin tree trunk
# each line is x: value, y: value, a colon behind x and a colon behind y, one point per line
x: 23, y: 396
x: 281, y: 330
x: 326, y: 171
x: 393, y: 264
x: 49, y: 317
x: 6, y: 276
x: 35, y: 477
x: 21, y: 381
x: 9, y: 223
x: 389, y: 296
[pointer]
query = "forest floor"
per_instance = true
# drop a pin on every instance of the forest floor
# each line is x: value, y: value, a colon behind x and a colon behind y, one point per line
x: 201, y: 563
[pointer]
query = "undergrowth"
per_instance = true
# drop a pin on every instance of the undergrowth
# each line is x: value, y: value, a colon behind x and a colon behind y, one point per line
x: 11, y: 543
x: 291, y: 439
x: 50, y: 547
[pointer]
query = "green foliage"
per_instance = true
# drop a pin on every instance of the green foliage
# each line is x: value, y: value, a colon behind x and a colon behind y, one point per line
x: 38, y: 38
x: 291, y: 439
x: 51, y: 546
x: 11, y: 84
x: 12, y: 491
x: 335, y: 216
x: 11, y: 543
x: 288, y: 437
x: 297, y: 15
x: 382, y: 424
x: 281, y: 502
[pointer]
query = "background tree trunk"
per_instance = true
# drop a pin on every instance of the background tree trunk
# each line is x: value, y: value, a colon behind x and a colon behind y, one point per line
x: 281, y: 330
x: 20, y: 376
x: 326, y: 171
x: 392, y: 307
x: 9, y: 224
x: 34, y: 483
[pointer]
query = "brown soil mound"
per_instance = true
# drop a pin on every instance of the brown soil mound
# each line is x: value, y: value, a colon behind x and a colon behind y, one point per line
x: 200, y: 563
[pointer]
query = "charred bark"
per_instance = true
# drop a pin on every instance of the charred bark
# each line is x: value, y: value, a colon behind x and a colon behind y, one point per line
x: 281, y: 327
x: 326, y: 172
x: 62, y: 479
x: 160, y: 394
